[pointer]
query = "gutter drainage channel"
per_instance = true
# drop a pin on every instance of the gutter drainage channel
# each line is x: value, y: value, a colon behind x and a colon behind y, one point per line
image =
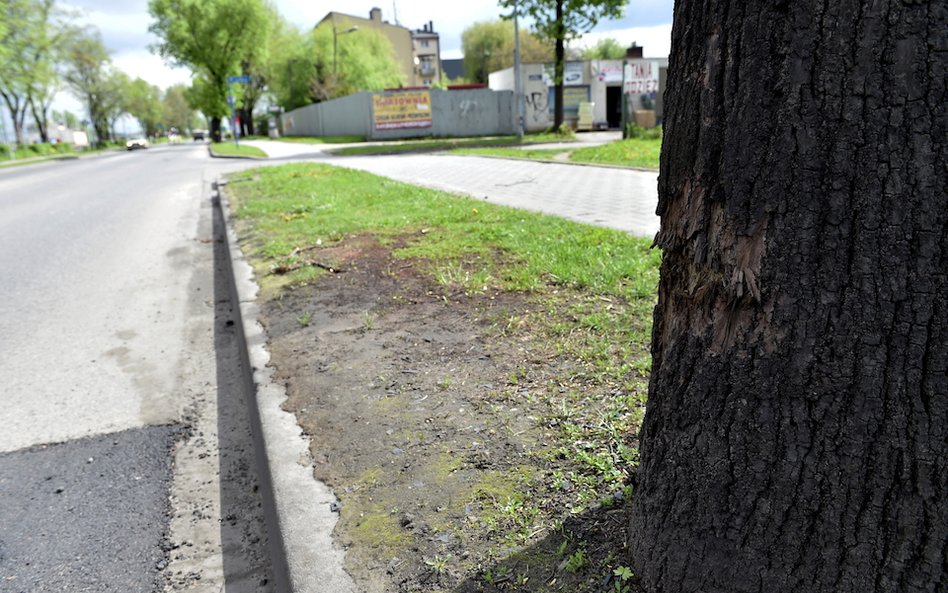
x: 297, y: 507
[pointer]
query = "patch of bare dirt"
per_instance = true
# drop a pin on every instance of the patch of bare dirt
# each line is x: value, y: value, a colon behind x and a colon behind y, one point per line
x: 422, y: 421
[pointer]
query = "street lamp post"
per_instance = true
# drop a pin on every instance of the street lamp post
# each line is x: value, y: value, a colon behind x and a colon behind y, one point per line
x: 518, y: 81
x: 335, y: 44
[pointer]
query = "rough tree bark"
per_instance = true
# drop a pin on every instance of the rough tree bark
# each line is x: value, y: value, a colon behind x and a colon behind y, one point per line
x: 559, y: 68
x: 215, y: 128
x: 795, y: 438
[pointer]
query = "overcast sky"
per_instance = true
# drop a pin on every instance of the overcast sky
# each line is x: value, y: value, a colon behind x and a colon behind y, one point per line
x: 124, y: 27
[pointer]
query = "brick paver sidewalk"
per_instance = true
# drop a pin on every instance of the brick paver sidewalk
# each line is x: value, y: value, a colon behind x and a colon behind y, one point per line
x: 615, y: 198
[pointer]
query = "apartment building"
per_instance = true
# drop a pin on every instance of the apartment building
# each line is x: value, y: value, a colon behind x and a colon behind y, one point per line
x: 416, y: 51
x: 427, y: 48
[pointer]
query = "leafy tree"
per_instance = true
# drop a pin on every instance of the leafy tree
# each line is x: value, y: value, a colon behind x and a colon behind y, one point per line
x: 175, y: 109
x: 795, y: 434
x: 365, y: 62
x: 30, y: 33
x: 87, y: 72
x: 115, y: 98
x: 290, y: 64
x: 605, y: 49
x: 66, y: 118
x: 212, y: 37
x: 300, y: 65
x: 488, y: 46
x: 206, y: 98
x: 143, y: 102
x: 255, y: 64
x: 561, y: 21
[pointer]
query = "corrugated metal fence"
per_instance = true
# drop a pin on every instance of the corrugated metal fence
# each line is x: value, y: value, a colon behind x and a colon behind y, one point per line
x: 478, y: 112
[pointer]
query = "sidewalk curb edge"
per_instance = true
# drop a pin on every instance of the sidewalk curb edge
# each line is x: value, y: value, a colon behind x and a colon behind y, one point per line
x: 305, y: 559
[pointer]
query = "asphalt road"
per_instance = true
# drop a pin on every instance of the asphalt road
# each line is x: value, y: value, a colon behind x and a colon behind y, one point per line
x: 125, y: 458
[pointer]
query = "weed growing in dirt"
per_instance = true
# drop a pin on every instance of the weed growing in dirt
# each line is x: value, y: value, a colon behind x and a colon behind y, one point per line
x: 576, y: 562
x: 438, y: 564
x: 305, y: 319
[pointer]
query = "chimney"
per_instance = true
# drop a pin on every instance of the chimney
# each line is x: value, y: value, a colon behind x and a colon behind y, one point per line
x: 431, y: 26
x: 375, y: 15
x: 634, y: 52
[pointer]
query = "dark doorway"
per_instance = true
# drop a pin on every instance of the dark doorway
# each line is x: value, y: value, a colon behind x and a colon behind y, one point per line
x: 614, y: 106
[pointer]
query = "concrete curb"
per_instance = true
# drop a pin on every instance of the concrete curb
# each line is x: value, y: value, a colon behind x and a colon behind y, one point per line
x: 297, y: 507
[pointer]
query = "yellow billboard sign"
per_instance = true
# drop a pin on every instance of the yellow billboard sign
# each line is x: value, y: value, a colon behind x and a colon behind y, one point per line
x: 409, y: 109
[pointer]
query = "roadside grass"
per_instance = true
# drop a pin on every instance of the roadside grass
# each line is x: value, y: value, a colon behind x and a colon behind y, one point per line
x: 590, y: 290
x: 5, y: 163
x: 34, y: 151
x: 443, y: 144
x: 230, y: 149
x: 538, y: 154
x: 29, y: 156
x: 319, y: 139
x: 632, y: 152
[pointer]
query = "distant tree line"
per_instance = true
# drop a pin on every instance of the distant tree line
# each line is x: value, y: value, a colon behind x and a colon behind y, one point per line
x: 219, y: 39
x: 43, y: 52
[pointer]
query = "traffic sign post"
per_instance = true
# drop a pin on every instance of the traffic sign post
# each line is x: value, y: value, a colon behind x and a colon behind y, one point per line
x: 234, y: 122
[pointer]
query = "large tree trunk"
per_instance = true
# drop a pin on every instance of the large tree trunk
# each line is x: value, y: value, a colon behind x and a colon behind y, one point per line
x: 795, y: 438
x: 559, y: 66
x: 41, y: 125
x: 215, y: 128
x: 246, y: 122
x: 17, y: 111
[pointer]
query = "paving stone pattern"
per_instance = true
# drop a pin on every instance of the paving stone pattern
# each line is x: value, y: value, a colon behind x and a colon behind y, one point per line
x: 615, y: 198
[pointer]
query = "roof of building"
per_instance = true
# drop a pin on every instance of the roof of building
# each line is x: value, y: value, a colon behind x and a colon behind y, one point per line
x: 453, y: 69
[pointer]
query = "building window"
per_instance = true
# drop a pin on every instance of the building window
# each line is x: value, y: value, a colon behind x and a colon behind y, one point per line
x: 426, y: 66
x: 424, y: 43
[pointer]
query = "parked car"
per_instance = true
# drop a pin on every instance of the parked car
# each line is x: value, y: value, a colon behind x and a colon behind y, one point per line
x: 136, y: 143
x: 198, y: 134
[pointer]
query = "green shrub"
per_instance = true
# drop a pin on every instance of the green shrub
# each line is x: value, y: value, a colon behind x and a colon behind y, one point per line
x: 634, y: 131
x: 565, y: 131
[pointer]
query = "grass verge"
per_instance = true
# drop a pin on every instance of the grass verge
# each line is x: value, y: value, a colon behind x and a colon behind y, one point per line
x: 633, y: 152
x: 447, y: 144
x: 230, y: 149
x: 587, y: 295
x: 320, y: 139
x: 534, y: 154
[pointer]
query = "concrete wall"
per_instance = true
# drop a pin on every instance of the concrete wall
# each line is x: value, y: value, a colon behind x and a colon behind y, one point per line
x: 535, y: 93
x: 478, y: 112
x: 598, y: 75
x: 348, y: 116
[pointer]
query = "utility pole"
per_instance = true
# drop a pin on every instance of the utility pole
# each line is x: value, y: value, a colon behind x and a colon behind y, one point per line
x: 518, y: 80
x: 230, y: 99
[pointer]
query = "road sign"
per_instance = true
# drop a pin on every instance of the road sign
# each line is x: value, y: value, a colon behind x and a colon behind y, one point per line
x: 243, y: 79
